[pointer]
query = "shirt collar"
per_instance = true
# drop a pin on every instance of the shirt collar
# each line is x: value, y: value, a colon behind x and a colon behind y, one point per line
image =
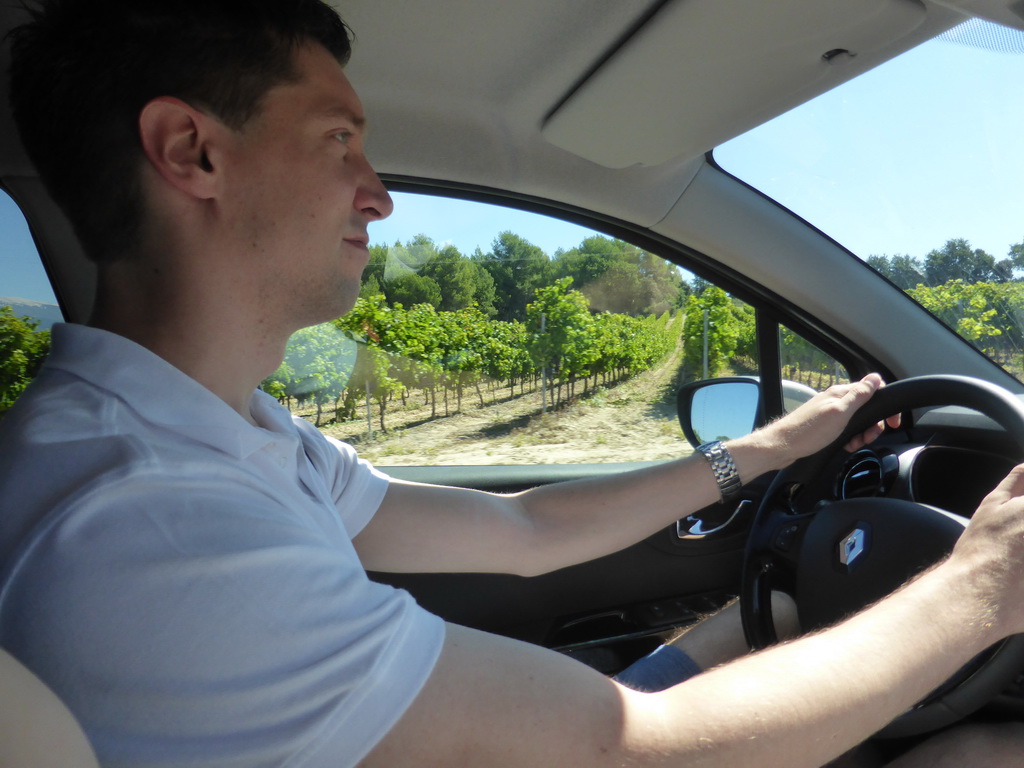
x: 162, y: 394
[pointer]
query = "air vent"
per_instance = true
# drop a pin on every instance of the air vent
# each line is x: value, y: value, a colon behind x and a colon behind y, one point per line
x: 863, y: 476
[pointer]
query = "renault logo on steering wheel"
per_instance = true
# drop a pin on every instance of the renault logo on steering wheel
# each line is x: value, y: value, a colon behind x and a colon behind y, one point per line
x: 854, y: 546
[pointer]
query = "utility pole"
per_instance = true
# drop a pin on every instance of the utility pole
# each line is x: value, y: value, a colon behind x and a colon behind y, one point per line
x: 543, y: 369
x: 705, y: 361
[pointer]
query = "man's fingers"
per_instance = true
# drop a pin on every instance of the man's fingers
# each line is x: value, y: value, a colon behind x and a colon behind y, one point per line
x: 860, y: 392
x: 868, y: 385
x: 1011, y: 486
x: 868, y: 435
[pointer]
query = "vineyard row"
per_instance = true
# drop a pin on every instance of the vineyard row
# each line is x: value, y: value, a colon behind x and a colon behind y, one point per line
x: 379, y: 352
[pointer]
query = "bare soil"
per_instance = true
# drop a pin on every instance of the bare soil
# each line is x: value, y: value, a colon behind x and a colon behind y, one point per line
x: 634, y: 420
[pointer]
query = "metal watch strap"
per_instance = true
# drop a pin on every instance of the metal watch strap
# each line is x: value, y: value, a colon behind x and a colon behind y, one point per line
x: 723, y: 468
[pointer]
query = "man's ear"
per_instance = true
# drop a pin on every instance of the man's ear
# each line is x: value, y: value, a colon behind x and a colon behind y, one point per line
x: 176, y: 139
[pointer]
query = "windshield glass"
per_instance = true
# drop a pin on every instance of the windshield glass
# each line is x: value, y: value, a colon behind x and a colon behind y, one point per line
x: 917, y: 167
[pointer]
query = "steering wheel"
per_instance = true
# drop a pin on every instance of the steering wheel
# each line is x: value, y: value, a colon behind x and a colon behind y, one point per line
x: 842, y: 555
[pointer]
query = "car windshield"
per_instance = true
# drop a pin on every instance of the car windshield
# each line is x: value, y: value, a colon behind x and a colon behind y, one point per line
x: 916, y: 167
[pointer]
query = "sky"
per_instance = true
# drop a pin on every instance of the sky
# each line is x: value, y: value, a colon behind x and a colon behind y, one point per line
x: 23, y: 275
x: 938, y: 132
x: 898, y: 161
x: 469, y: 226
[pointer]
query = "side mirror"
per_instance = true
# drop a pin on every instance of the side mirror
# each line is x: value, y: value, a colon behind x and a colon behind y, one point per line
x: 718, y: 409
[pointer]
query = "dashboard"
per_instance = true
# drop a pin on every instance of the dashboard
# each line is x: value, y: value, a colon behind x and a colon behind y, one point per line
x: 952, y: 478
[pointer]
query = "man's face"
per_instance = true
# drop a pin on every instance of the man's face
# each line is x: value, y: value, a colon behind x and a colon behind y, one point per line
x: 302, y: 194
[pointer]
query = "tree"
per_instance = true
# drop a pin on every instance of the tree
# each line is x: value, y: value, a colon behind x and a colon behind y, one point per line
x: 956, y: 260
x: 411, y: 289
x: 723, y: 331
x: 561, y: 332
x: 1015, y: 256
x: 373, y: 274
x: 618, y: 277
x: 517, y: 268
x: 22, y: 350
x: 904, y: 271
x: 421, y: 273
x: 969, y: 309
x: 463, y: 283
x: 587, y: 263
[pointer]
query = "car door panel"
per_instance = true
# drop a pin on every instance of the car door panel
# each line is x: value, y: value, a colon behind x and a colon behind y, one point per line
x: 608, y: 609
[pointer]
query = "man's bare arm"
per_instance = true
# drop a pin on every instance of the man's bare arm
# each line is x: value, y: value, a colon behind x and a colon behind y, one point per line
x: 496, y: 702
x: 429, y: 528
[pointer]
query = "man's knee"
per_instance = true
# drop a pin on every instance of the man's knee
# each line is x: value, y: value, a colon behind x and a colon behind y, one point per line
x: 784, y: 616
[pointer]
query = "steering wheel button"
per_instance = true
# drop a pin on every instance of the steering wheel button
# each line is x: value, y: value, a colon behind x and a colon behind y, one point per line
x: 786, y: 537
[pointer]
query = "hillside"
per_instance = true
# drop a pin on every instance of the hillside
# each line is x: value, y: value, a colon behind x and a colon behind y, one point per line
x: 46, y: 314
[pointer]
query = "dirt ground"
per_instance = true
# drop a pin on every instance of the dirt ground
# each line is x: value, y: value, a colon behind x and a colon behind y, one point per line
x: 632, y: 421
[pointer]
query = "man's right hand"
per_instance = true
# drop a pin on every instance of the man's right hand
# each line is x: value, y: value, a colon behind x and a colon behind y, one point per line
x: 992, y: 551
x: 496, y: 702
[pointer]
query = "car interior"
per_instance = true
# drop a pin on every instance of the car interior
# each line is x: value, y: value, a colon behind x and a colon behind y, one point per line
x: 607, y: 115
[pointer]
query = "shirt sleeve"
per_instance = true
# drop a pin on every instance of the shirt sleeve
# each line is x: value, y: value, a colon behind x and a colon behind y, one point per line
x: 355, y: 485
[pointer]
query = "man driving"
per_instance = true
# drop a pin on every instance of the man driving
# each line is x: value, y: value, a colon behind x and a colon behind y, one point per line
x: 185, y: 564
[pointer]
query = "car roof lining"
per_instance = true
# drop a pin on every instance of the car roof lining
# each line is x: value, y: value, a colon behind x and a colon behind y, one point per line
x: 702, y: 71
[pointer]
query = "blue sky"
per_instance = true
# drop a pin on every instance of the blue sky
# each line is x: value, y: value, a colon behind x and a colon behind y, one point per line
x: 900, y: 160
x: 468, y: 226
x: 23, y: 275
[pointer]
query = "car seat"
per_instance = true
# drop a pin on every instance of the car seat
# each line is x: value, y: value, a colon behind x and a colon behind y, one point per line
x: 36, y: 729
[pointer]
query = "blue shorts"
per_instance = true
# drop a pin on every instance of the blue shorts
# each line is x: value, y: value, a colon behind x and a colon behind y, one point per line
x: 661, y: 669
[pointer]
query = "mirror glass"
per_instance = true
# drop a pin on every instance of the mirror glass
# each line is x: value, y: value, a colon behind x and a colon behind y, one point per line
x: 723, y: 411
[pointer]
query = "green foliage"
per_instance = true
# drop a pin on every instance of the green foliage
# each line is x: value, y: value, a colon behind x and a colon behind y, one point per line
x: 442, y: 352
x: 22, y: 350
x: 318, y: 363
x: 517, y: 268
x: 427, y: 320
x: 725, y: 328
x: 463, y: 283
x: 433, y: 320
x: 421, y: 273
x: 620, y: 278
x: 561, y: 330
x: 967, y: 309
x: 904, y: 271
x: 572, y: 343
x: 615, y: 276
x: 955, y: 260
x: 413, y: 288
x: 975, y: 295
x: 990, y: 315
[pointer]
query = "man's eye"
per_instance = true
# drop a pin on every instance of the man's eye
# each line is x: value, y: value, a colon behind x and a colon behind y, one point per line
x: 343, y: 136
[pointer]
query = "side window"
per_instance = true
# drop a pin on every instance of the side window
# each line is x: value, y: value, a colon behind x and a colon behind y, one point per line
x: 720, y: 334
x: 806, y: 369
x: 485, y: 335
x: 28, y: 307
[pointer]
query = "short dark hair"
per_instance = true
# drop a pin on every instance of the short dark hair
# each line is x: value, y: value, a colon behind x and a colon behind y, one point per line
x: 82, y: 70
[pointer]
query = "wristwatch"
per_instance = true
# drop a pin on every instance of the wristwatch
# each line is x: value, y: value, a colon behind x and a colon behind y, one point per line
x: 723, y: 467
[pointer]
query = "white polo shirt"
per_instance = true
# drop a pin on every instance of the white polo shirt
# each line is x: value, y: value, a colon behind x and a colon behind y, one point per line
x: 186, y: 582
